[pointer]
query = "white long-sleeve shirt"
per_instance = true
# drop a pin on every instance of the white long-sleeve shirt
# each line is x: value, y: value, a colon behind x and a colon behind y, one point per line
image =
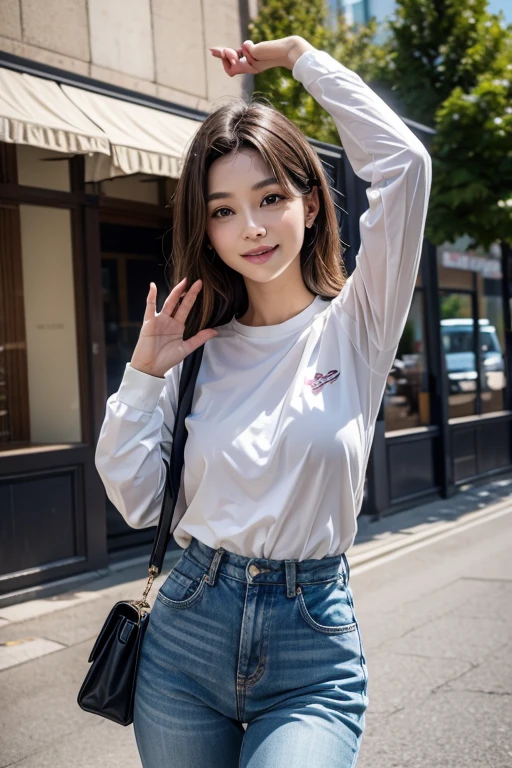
x: 283, y: 416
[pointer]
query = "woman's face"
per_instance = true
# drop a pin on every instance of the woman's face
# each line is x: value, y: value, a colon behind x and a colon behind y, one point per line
x: 247, y: 210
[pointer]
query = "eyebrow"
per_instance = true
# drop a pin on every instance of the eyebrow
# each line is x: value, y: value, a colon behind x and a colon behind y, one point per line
x: 258, y: 185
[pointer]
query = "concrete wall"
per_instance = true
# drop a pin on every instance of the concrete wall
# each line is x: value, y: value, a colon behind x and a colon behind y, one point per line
x: 157, y: 47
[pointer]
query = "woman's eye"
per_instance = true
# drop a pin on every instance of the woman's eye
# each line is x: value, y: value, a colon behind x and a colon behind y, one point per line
x: 216, y: 213
x: 273, y: 194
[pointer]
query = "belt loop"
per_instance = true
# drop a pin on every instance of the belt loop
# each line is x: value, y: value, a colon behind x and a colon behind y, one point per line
x: 214, y: 565
x: 346, y: 577
x: 291, y: 577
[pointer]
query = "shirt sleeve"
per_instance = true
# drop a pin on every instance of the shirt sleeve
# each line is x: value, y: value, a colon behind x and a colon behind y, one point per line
x: 374, y: 302
x: 135, y: 435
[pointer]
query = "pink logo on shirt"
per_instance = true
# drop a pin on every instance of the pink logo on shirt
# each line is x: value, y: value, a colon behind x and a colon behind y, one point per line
x: 321, y: 379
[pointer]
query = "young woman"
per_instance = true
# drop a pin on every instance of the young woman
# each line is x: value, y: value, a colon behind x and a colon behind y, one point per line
x: 255, y: 624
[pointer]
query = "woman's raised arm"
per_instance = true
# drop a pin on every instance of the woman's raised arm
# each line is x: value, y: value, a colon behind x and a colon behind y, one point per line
x: 374, y: 303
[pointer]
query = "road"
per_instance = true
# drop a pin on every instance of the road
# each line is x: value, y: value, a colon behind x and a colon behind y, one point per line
x: 436, y: 624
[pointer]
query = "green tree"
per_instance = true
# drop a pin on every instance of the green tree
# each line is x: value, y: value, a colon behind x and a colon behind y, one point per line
x: 451, y: 307
x: 436, y: 46
x: 406, y: 344
x: 313, y: 21
x: 472, y: 179
x: 450, y: 64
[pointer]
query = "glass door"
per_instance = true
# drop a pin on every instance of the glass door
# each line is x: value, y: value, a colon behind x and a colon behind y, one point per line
x: 459, y: 343
x: 131, y: 257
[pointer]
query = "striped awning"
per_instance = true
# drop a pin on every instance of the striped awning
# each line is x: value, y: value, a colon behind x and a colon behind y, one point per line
x: 142, y: 139
x: 35, y: 111
x: 117, y: 137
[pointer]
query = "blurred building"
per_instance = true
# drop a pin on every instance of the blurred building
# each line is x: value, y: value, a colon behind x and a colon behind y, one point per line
x: 98, y: 102
x: 361, y: 11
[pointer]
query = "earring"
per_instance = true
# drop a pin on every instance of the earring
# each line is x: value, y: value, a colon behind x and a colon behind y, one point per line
x: 310, y: 239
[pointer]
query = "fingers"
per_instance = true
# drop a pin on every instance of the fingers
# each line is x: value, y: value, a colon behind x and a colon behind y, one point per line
x: 187, y: 302
x: 233, y: 60
x: 182, y: 312
x: 190, y: 345
x: 228, y: 54
x: 248, y: 50
x: 232, y: 56
x: 172, y: 299
x: 150, y: 303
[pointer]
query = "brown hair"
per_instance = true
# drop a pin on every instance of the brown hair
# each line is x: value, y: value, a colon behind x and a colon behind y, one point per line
x: 296, y: 166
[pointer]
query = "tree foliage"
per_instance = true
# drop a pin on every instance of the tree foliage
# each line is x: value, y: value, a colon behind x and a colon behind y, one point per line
x: 472, y: 180
x: 450, y: 63
x: 436, y: 46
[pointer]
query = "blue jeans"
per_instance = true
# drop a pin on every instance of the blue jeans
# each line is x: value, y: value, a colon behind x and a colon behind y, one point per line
x: 273, y: 644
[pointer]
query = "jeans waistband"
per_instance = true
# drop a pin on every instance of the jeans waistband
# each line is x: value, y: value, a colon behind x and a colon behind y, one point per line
x: 259, y: 570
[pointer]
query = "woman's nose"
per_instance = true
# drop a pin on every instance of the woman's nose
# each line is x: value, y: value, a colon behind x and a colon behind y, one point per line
x: 253, y: 228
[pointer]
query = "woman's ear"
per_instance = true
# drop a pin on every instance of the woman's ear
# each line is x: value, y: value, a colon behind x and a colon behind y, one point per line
x: 311, y: 207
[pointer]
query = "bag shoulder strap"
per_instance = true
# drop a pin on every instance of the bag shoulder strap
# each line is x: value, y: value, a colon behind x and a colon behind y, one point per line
x: 173, y: 471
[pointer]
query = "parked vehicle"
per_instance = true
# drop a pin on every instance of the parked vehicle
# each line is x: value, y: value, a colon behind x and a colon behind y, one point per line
x: 458, y: 345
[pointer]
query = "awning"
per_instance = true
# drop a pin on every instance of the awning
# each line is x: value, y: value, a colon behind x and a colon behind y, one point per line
x: 35, y: 111
x: 142, y: 139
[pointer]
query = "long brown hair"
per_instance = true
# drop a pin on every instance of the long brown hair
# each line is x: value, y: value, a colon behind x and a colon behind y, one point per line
x: 296, y: 166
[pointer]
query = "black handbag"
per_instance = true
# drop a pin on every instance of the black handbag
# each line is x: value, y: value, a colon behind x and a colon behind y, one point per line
x: 109, y: 686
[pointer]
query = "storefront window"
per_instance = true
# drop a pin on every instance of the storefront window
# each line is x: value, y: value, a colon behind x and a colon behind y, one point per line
x: 458, y: 344
x: 406, y: 399
x: 50, y: 326
x: 492, y: 347
x: 42, y: 168
x: 476, y: 384
x: 131, y: 259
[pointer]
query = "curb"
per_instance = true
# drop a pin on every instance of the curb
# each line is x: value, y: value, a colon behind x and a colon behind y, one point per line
x: 434, y: 531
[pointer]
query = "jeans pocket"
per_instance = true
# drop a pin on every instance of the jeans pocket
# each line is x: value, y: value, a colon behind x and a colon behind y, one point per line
x: 327, y: 607
x: 184, y: 585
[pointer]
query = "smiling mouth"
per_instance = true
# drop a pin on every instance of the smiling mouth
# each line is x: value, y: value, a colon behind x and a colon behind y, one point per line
x: 261, y: 254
